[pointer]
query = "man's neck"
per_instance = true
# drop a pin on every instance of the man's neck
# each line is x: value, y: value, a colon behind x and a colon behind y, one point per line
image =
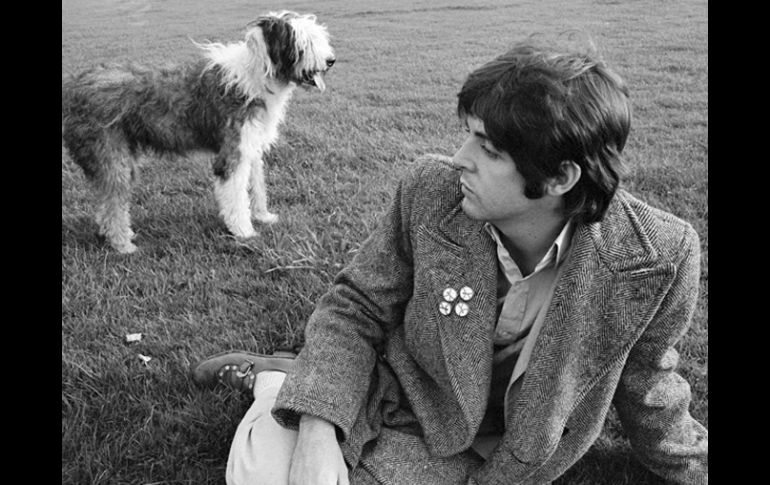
x: 528, y: 242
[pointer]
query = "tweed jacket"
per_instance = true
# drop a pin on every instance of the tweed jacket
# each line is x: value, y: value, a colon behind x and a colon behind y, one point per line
x: 379, y: 353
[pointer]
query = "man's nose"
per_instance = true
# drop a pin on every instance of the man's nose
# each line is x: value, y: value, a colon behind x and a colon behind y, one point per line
x: 461, y: 159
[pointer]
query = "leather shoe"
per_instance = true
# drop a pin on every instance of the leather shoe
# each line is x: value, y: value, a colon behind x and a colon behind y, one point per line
x: 238, y: 369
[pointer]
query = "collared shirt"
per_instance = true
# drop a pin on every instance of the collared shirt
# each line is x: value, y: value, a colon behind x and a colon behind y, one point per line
x: 520, y: 298
x: 520, y: 302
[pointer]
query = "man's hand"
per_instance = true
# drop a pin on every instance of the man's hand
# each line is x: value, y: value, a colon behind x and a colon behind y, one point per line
x: 317, y: 458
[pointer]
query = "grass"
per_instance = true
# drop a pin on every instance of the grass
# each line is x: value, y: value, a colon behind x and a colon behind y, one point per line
x: 192, y: 290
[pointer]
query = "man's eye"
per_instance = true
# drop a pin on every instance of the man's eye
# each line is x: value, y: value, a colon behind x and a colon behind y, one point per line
x: 489, y: 152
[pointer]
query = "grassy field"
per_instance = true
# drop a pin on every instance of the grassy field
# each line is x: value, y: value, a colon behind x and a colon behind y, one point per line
x: 192, y: 290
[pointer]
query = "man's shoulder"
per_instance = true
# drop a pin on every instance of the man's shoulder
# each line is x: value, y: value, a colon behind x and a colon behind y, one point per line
x: 434, y: 169
x: 633, y: 225
x: 660, y: 223
x: 431, y: 177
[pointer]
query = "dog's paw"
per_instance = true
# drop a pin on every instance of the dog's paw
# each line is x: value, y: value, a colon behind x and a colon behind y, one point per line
x: 266, y: 218
x: 125, y: 248
x: 243, y: 232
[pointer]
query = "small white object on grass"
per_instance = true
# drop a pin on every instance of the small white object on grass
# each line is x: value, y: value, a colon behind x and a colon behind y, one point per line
x: 145, y: 358
x: 133, y: 337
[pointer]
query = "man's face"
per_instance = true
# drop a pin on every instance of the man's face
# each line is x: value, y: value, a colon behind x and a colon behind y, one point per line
x: 491, y: 183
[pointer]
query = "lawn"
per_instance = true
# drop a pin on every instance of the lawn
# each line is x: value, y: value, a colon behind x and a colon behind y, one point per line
x: 192, y: 290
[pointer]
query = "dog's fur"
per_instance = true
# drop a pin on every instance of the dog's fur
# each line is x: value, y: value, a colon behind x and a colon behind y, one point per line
x: 231, y: 102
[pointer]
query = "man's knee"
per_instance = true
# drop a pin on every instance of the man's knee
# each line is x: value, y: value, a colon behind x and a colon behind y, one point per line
x: 261, y: 452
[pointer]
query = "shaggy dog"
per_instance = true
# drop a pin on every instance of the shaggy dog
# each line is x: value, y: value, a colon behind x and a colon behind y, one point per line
x: 231, y: 103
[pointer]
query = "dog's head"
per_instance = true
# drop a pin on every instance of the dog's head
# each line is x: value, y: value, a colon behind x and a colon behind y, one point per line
x: 296, y: 46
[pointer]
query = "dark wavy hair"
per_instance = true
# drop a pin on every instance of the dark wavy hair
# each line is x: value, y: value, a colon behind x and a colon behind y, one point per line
x: 544, y: 107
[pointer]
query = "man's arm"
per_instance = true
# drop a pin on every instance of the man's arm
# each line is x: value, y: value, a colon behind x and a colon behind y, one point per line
x: 332, y: 373
x: 652, y: 399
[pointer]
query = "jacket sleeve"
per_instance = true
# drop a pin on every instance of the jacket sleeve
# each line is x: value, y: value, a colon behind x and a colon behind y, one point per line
x: 652, y: 400
x: 345, y: 332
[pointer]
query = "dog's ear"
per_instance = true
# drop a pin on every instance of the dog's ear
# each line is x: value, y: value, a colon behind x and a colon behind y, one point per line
x: 260, y: 57
x: 279, y: 43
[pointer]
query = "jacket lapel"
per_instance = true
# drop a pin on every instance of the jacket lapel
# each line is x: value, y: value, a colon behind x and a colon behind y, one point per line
x: 466, y: 341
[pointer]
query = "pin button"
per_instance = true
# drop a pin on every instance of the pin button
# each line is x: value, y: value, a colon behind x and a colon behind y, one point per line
x: 450, y: 294
x: 445, y: 308
x: 461, y: 309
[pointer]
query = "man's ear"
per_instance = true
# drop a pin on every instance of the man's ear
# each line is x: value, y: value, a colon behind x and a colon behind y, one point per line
x: 569, y: 174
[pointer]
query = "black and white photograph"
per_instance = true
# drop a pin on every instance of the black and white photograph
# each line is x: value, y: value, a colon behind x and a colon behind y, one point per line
x: 355, y: 242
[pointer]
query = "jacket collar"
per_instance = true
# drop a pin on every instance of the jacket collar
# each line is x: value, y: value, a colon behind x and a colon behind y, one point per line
x: 620, y: 240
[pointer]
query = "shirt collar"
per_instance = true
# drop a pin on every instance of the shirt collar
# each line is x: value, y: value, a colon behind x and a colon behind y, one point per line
x: 558, y: 249
x: 563, y: 240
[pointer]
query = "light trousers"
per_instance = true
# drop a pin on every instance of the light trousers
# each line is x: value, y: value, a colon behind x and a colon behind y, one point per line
x: 261, y: 450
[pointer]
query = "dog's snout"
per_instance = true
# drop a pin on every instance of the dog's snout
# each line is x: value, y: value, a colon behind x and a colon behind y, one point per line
x: 330, y: 62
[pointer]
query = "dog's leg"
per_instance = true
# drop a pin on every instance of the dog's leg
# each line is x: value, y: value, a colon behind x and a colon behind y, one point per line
x: 108, y: 168
x: 113, y: 193
x: 231, y: 189
x: 259, y: 193
x: 255, y: 138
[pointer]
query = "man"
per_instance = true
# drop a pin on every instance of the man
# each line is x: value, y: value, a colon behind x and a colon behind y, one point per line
x: 510, y: 295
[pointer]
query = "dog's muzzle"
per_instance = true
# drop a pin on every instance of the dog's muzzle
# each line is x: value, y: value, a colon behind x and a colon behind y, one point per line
x: 315, y: 78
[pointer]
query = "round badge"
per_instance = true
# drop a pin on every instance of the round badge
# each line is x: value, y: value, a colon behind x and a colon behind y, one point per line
x: 461, y: 309
x: 450, y: 294
x: 445, y: 308
x: 466, y: 293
